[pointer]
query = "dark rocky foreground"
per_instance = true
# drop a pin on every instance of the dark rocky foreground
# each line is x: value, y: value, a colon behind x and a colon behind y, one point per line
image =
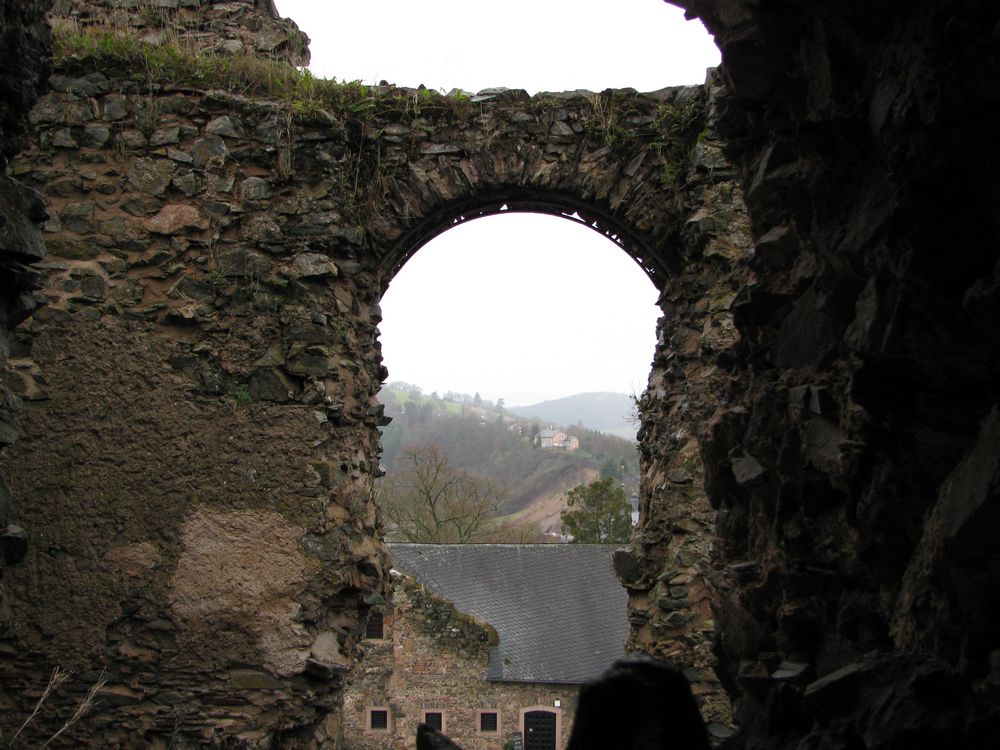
x: 24, y: 70
x: 855, y: 468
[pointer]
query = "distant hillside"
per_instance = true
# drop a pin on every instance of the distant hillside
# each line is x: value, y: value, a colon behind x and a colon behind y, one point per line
x: 604, y: 412
x: 485, y: 439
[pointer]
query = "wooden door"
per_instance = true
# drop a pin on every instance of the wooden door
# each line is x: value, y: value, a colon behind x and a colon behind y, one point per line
x: 540, y: 730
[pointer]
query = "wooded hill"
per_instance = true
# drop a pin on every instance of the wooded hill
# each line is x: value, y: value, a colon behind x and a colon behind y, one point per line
x: 482, y: 438
x: 610, y: 413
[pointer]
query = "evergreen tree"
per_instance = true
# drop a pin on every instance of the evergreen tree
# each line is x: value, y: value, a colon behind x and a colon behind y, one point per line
x: 600, y: 513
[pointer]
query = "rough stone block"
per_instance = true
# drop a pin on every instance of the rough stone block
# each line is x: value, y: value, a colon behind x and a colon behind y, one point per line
x: 176, y: 218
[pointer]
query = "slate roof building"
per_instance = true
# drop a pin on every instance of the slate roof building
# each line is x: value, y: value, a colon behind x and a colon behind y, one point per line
x: 485, y: 641
x: 558, y: 609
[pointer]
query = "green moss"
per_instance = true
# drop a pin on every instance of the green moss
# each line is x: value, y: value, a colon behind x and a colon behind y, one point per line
x: 679, y: 127
x: 215, y: 278
x: 540, y: 104
x: 243, y: 396
x: 126, y: 58
x: 154, y: 18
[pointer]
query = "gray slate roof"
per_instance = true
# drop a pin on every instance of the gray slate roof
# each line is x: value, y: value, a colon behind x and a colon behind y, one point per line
x: 559, y: 610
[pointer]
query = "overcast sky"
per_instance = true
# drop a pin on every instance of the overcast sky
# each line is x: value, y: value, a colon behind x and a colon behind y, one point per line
x: 521, y: 307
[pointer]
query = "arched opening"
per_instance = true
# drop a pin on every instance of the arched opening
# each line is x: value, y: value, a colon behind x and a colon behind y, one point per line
x: 552, y: 329
x: 511, y: 202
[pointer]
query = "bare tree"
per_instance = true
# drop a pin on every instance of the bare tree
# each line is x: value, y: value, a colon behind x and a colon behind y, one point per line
x: 428, y: 501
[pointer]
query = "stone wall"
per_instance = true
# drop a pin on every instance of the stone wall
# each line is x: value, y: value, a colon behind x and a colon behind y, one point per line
x: 233, y: 27
x: 201, y: 442
x: 435, y: 658
x: 668, y: 567
x: 201, y: 421
x: 24, y: 68
x: 848, y: 439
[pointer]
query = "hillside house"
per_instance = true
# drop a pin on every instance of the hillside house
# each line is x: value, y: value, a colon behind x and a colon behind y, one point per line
x: 557, y: 440
x: 485, y: 641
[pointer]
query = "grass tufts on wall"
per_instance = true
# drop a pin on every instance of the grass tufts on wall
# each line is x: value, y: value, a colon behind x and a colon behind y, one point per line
x: 125, y: 57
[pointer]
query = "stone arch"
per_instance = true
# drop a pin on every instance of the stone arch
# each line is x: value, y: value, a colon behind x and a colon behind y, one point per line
x: 824, y: 111
x: 231, y: 256
x: 514, y: 201
x: 688, y: 233
x: 615, y: 159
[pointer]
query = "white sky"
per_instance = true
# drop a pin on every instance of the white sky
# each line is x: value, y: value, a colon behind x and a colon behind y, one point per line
x: 515, y: 307
x: 521, y: 307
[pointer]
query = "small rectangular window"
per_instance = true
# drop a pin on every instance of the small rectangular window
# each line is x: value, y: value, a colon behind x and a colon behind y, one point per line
x: 434, y: 719
x: 488, y: 722
x: 376, y: 625
x: 378, y: 719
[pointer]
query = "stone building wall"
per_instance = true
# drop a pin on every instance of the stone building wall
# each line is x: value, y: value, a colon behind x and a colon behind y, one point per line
x: 435, y: 658
x: 201, y: 421
x: 669, y: 566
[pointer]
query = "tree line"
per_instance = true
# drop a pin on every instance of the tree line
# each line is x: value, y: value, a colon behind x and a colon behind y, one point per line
x: 427, y: 500
x: 501, y: 449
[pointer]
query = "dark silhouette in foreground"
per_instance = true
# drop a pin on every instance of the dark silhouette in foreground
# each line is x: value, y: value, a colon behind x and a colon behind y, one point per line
x: 428, y: 738
x: 638, y: 704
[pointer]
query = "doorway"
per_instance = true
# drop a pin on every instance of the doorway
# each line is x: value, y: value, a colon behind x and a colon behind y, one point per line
x: 540, y: 730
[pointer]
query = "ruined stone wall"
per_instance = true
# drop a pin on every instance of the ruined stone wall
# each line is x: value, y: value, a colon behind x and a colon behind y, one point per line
x: 201, y: 421
x: 851, y: 458
x: 233, y: 27
x: 854, y: 469
x: 201, y: 442
x: 24, y: 68
x: 667, y: 567
x: 435, y: 658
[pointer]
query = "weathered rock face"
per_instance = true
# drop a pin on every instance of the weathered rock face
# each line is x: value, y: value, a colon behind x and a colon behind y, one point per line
x: 666, y: 566
x: 854, y: 468
x: 24, y: 67
x: 233, y: 27
x: 201, y: 421
x: 25, y: 60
